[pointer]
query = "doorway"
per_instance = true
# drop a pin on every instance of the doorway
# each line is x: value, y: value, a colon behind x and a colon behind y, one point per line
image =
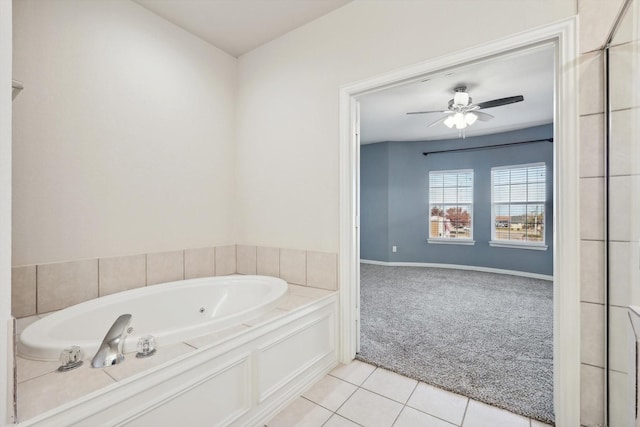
x: 566, y: 294
x: 456, y: 248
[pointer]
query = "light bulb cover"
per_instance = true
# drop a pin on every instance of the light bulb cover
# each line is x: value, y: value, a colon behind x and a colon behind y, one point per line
x: 449, y: 122
x: 470, y: 118
x: 461, y: 98
x: 458, y: 120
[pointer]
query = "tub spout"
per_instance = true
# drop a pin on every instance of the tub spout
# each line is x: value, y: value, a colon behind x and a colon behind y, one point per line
x: 110, y: 351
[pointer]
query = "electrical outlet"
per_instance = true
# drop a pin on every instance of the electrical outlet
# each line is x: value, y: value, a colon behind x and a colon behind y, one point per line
x: 394, y: 249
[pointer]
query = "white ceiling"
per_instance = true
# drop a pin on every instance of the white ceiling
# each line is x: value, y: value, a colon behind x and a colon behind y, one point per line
x: 238, y: 26
x: 528, y: 73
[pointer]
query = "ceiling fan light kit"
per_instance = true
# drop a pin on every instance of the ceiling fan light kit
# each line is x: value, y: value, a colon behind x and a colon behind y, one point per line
x: 461, y: 112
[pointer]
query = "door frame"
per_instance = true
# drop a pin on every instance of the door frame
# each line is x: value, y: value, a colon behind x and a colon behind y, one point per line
x: 566, y: 214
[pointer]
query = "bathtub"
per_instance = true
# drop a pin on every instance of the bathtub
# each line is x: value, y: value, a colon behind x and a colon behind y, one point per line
x: 171, y: 312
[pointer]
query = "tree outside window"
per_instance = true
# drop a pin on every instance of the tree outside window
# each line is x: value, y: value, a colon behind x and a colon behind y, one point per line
x: 450, y: 204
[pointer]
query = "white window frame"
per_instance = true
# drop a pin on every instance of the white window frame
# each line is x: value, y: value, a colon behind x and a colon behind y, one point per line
x: 451, y: 240
x: 500, y: 243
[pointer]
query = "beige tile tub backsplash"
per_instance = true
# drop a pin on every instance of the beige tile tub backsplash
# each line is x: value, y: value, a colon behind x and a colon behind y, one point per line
x: 225, y: 260
x: 246, y: 258
x: 23, y: 291
x: 199, y: 263
x: 165, y: 267
x: 268, y: 261
x: 322, y: 270
x: 293, y: 266
x: 65, y: 284
x: 121, y: 274
x: 49, y: 287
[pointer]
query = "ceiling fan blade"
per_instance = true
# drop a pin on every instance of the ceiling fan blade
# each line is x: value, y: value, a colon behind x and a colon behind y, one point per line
x: 483, y: 116
x: 440, y: 120
x: 426, y: 112
x: 501, y: 101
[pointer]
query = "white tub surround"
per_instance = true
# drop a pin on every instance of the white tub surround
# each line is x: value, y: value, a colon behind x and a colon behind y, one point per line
x: 241, y: 375
x: 172, y: 312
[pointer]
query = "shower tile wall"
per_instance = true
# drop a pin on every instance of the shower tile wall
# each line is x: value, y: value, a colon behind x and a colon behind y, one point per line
x: 624, y: 173
x: 592, y: 235
x: 49, y: 287
x: 596, y: 20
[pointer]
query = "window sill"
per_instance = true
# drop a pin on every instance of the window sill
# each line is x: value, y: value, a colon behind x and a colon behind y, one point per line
x: 466, y: 242
x: 514, y: 245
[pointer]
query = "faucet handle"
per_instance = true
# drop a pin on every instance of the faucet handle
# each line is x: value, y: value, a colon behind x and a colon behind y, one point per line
x: 146, y: 346
x: 71, y: 358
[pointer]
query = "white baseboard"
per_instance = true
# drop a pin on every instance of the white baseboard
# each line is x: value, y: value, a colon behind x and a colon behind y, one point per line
x: 460, y: 267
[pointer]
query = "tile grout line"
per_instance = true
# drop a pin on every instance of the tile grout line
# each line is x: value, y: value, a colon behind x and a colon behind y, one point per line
x: 466, y: 408
x: 36, y: 290
x: 37, y: 376
x: 190, y: 345
x: 110, y: 376
x: 405, y: 403
x: 351, y: 395
x: 382, y: 395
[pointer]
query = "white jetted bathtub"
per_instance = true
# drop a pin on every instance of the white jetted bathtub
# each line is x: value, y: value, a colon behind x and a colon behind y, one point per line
x: 171, y: 312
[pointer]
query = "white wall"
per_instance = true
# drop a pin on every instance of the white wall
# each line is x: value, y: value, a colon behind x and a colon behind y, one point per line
x: 5, y: 203
x: 124, y: 136
x: 288, y: 101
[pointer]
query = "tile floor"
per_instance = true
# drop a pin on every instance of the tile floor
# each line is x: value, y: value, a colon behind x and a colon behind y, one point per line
x: 360, y: 394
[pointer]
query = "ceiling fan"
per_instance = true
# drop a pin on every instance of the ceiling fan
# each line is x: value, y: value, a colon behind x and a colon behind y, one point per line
x: 461, y: 112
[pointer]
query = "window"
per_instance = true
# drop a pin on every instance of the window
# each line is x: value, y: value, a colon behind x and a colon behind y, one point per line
x: 518, y: 211
x: 451, y: 206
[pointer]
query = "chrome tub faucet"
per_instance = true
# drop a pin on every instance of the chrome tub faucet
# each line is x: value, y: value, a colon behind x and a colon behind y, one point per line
x: 110, y: 351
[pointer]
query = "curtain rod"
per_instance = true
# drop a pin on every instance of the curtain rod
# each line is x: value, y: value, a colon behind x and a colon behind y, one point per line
x: 488, y: 147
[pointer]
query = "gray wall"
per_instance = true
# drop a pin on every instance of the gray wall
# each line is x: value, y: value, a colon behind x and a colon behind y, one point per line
x: 395, y: 194
x: 374, y: 201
